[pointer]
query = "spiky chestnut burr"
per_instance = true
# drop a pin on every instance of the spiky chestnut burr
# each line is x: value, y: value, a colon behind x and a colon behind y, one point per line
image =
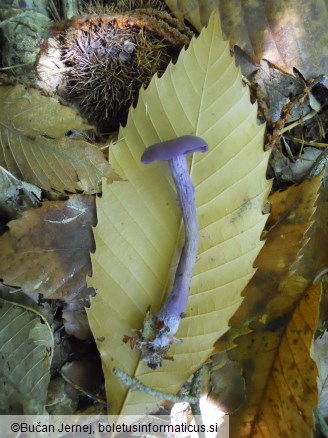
x: 159, y: 330
x: 106, y: 59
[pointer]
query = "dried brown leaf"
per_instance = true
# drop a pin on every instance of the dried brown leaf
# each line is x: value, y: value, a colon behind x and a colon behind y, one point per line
x: 47, y: 249
x: 34, y: 114
x: 58, y: 401
x: 287, y: 33
x: 78, y: 373
x: 289, y: 222
x: 315, y: 264
x: 277, y: 88
x: 227, y: 383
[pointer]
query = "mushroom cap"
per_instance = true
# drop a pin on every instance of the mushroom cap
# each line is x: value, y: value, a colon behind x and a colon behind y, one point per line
x: 169, y: 149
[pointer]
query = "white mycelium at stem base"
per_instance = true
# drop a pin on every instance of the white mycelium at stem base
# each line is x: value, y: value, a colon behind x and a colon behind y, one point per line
x: 159, y: 330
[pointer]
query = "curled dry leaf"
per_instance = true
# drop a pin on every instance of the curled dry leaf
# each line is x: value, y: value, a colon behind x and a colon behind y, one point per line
x: 287, y: 33
x: 16, y: 195
x: 47, y: 249
x: 278, y: 87
x: 283, y: 307
x: 34, y: 148
x: 295, y: 172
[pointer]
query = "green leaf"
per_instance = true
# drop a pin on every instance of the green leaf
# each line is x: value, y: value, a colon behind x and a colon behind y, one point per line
x: 139, y: 235
x: 26, y: 346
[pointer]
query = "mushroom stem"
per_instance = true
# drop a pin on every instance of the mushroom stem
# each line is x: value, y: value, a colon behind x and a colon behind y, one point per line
x: 158, y: 330
x: 175, y: 304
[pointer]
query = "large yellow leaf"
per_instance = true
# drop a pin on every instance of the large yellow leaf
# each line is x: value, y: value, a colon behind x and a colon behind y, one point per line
x: 139, y: 233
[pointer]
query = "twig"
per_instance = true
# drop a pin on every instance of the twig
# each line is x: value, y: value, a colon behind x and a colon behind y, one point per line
x: 298, y: 122
x: 247, y: 82
x: 196, y: 386
x: 192, y: 398
x: 195, y: 390
x: 317, y: 165
x: 78, y: 388
x: 136, y: 385
x: 11, y: 67
x: 308, y: 143
x: 321, y: 422
x: 289, y: 152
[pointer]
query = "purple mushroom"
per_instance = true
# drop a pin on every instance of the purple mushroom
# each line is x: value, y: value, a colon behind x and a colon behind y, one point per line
x: 159, y: 330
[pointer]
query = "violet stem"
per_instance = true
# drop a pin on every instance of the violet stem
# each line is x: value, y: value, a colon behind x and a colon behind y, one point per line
x: 175, y: 304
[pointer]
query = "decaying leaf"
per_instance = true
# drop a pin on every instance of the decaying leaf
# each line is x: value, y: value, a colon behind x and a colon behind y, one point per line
x: 227, y: 383
x: 33, y: 114
x: 281, y: 311
x: 139, y: 234
x: 33, y: 146
x: 47, y: 249
x: 58, y: 401
x: 295, y: 172
x: 289, y: 222
x: 26, y: 346
x: 197, y: 12
x: 278, y: 88
x: 76, y: 321
x: 281, y: 373
x: 16, y: 195
x: 78, y: 373
x: 315, y: 261
x: 287, y: 33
